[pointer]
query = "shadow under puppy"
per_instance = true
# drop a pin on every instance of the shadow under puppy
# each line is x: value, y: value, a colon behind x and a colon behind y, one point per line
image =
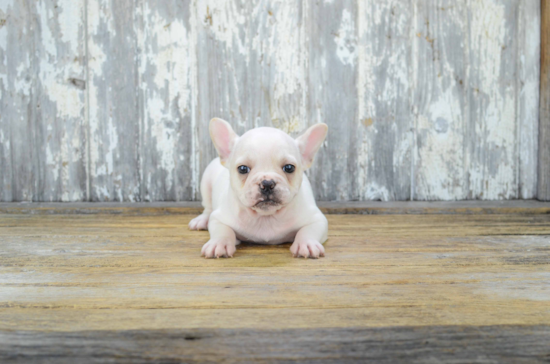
x: 256, y: 191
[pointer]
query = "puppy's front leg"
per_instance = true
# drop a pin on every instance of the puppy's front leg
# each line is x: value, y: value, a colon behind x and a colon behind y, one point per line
x: 222, y: 241
x: 309, y: 239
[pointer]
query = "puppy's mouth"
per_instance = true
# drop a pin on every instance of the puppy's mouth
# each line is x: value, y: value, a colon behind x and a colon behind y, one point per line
x: 267, y: 203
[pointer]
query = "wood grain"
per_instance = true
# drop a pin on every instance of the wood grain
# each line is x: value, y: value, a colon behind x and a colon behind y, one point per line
x: 17, y: 100
x: 117, y: 272
x: 114, y: 110
x: 486, y: 344
x: 427, y: 100
x: 441, y: 104
x: 60, y: 170
x: 250, y: 67
x: 492, y: 122
x: 383, y: 166
x: 92, y: 287
x: 166, y: 83
x: 544, y: 126
x: 332, y: 75
x: 528, y: 96
x: 518, y: 207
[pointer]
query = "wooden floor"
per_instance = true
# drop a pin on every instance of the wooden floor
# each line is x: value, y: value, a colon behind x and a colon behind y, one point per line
x: 132, y: 288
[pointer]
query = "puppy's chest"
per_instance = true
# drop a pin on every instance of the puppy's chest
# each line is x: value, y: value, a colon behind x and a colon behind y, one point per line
x: 265, y: 230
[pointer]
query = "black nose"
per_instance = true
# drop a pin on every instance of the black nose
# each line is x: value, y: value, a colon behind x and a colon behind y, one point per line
x: 267, y: 186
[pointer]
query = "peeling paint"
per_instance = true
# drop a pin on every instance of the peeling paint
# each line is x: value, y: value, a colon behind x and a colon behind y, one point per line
x: 528, y: 97
x: 283, y: 51
x: 440, y: 132
x: 492, y: 174
x: 346, y: 40
x: 97, y: 59
x: 420, y: 104
x: 383, y: 84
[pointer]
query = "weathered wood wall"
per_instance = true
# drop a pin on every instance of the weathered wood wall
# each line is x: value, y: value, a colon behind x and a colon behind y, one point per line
x: 544, y: 123
x: 109, y: 100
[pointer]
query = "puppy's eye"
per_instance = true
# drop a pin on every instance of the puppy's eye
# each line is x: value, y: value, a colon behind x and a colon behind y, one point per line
x: 243, y: 169
x: 289, y: 168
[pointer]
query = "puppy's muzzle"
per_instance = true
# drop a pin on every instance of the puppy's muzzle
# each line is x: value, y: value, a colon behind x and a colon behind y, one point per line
x: 266, y: 187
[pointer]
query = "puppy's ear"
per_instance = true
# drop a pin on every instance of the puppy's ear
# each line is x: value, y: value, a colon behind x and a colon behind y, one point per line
x: 310, y: 142
x: 224, y: 138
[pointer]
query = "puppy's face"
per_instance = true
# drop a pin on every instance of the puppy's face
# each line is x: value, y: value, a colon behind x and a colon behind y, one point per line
x: 266, y: 170
x: 266, y: 165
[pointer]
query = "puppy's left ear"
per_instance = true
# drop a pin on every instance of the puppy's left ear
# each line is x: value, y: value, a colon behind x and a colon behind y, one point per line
x: 310, y: 142
x: 224, y: 138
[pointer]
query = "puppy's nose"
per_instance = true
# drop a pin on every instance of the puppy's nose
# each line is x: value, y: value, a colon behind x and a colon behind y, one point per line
x: 267, y: 186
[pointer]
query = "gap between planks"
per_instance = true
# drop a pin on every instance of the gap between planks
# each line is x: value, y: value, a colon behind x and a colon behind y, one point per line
x: 348, y: 207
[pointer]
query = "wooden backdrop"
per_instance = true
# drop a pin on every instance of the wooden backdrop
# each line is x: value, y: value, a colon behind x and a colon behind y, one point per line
x: 109, y: 100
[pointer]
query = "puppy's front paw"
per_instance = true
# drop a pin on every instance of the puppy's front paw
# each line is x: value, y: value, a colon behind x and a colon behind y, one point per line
x: 200, y: 222
x: 307, y: 249
x: 216, y: 248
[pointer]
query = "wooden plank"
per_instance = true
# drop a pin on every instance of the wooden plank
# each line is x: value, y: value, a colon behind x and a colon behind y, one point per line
x: 480, y: 344
x: 167, y: 81
x: 391, y: 287
x: 17, y: 101
x: 435, y: 207
x: 6, y: 103
x: 384, y: 106
x: 364, y: 208
x: 440, y: 100
x: 528, y: 84
x: 332, y: 75
x: 399, y: 128
x: 113, y: 107
x: 543, y: 192
x: 149, y: 208
x: 250, y: 67
x: 492, y: 123
x: 60, y: 89
x: 107, y: 272
x: 463, y: 149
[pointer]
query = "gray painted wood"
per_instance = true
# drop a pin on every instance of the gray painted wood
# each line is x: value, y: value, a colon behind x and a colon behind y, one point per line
x: 492, y: 100
x: 470, y: 207
x: 543, y: 192
x: 529, y: 41
x: 59, y: 100
x: 476, y: 127
x: 166, y: 92
x: 17, y: 66
x: 463, y: 344
x: 332, y: 95
x: 113, y: 107
x: 441, y: 161
x: 384, y: 90
x: 110, y: 100
x: 251, y: 67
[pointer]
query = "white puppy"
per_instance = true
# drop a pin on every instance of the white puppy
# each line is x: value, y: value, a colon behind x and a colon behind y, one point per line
x: 256, y: 191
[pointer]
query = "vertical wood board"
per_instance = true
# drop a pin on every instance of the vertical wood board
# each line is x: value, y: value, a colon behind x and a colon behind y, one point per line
x: 440, y: 99
x: 166, y: 83
x: 251, y: 67
x: 60, y: 85
x: 332, y: 75
x: 114, y: 110
x: 543, y: 191
x: 17, y: 66
x: 384, y: 105
x: 429, y: 100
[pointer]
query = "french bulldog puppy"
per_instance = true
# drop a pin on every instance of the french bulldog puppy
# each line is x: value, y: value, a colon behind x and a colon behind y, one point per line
x: 256, y: 191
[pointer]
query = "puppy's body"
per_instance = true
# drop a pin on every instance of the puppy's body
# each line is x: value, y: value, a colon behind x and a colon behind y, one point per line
x: 248, y: 226
x: 257, y: 191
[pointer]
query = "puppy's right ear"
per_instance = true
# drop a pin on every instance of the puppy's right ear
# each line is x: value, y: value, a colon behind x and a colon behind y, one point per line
x: 310, y: 142
x: 224, y: 138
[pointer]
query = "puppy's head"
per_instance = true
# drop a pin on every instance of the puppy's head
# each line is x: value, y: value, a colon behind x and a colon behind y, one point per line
x: 266, y: 165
